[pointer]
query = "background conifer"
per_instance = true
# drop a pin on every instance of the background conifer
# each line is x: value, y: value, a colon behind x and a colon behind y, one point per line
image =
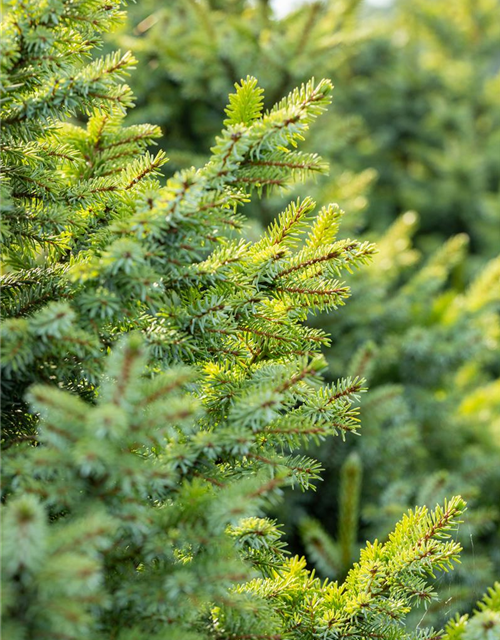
x: 418, y: 102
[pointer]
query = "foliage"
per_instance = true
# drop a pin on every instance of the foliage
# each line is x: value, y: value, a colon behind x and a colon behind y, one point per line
x: 483, y: 625
x: 60, y: 184
x: 414, y: 126
x: 427, y: 346
x: 419, y: 101
x: 159, y: 373
x: 152, y: 527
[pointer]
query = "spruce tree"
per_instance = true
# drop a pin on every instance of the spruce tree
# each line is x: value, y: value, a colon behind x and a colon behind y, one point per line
x: 61, y: 185
x: 418, y: 104
x: 182, y: 376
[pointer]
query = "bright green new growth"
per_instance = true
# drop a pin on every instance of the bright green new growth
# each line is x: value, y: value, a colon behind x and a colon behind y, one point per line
x: 378, y: 592
x: 246, y: 104
x: 135, y: 483
x: 417, y: 115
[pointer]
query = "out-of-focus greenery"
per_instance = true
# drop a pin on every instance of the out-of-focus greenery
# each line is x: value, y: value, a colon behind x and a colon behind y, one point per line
x: 413, y: 139
x: 417, y: 99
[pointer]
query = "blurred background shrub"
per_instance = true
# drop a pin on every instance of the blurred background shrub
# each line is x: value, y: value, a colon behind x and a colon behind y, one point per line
x: 413, y: 142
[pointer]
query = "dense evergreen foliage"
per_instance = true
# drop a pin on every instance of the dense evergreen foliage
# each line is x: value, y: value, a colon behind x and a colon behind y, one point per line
x: 414, y: 125
x: 159, y: 377
x: 62, y: 185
